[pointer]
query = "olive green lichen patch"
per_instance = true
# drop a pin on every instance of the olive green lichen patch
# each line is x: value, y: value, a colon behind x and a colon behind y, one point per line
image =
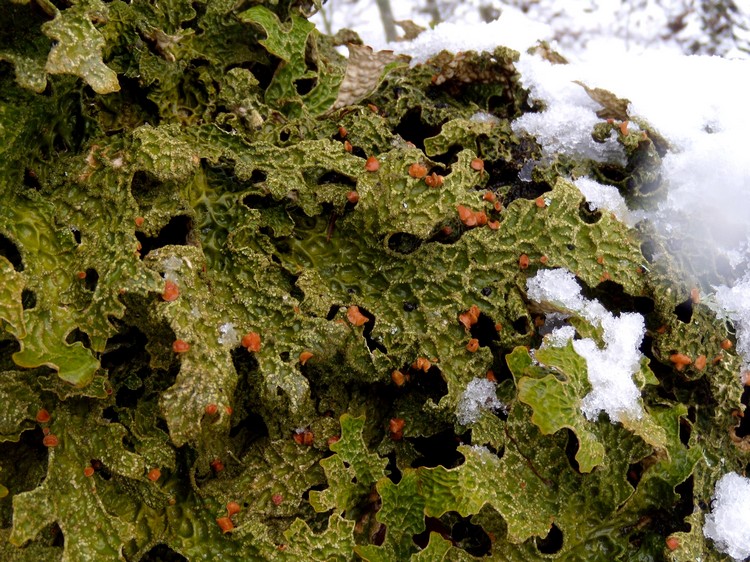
x: 554, y: 382
x: 77, y: 47
x: 216, y: 289
x: 67, y: 496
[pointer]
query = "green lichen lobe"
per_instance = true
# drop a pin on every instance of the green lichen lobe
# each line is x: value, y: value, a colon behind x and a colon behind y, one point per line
x: 193, y: 173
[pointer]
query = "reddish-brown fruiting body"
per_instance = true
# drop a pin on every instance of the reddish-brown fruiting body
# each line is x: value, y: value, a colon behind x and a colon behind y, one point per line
x: 277, y: 499
x: 470, y: 317
x: 726, y: 345
x: 342, y: 132
x: 695, y: 295
x: 372, y: 164
x: 180, y: 346
x: 304, y: 356
x: 477, y: 164
x: 540, y: 202
x: 466, y: 215
x: 543, y: 260
x: 352, y: 197
x: 355, y: 316
x: 304, y: 437
x: 139, y: 221
x: 433, y: 180
x: 700, y: 362
x: 348, y: 146
x: 154, y: 474
x: 498, y: 327
x: 171, y: 291
x: 373, y: 107
x: 50, y: 440
x: 81, y: 275
x: 489, y: 196
x: 211, y: 409
x: 473, y: 345
x: 396, y: 428
x: 491, y: 376
x: 624, y: 128
x: 680, y: 360
x: 673, y: 543
x: 417, y: 171
x: 233, y: 508
x: 225, y: 524
x: 523, y: 261
x: 216, y: 465
x: 493, y: 225
x: 332, y: 440
x: 229, y: 410
x: 42, y: 416
x: 251, y: 341
x: 398, y: 378
x: 422, y: 364
x: 88, y: 472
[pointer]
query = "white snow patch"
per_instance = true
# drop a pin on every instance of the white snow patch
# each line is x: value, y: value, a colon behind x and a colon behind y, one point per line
x: 512, y: 29
x: 606, y: 197
x: 610, y: 369
x: 730, y: 512
x: 559, y: 337
x: 484, y: 117
x: 172, y: 266
x: 478, y: 396
x: 228, y: 335
x: 735, y: 304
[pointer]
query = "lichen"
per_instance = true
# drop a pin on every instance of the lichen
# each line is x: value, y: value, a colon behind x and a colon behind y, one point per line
x: 183, y: 172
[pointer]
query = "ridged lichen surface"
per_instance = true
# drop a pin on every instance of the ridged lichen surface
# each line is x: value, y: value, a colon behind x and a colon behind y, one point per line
x: 240, y: 309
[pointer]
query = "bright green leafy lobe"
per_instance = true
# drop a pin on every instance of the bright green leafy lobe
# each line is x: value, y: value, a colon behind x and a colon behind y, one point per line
x: 556, y: 402
x: 77, y: 47
x: 185, y: 142
x: 288, y: 42
x: 351, y: 472
x: 69, y: 498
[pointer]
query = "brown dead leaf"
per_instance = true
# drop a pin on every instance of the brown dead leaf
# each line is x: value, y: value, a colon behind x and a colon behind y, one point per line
x: 363, y: 73
x: 612, y: 106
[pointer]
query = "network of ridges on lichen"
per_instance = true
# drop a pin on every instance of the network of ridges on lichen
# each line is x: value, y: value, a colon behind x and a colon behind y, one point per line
x: 274, y: 246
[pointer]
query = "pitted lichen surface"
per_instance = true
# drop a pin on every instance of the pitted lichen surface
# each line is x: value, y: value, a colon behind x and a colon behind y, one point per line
x: 238, y: 271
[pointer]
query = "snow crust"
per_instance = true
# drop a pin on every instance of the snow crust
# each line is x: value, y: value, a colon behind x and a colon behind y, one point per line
x: 730, y: 512
x: 735, y: 304
x: 228, y: 335
x: 607, y: 197
x: 512, y: 30
x: 610, y: 369
x: 478, y: 397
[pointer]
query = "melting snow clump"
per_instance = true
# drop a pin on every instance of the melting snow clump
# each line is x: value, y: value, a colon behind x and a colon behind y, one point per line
x: 730, y: 511
x: 228, y: 335
x: 611, y: 369
x: 735, y: 302
x: 606, y: 197
x: 172, y: 266
x: 559, y: 337
x: 479, y: 395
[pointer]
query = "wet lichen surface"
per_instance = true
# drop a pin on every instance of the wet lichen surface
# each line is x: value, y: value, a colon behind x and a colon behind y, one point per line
x: 238, y: 321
